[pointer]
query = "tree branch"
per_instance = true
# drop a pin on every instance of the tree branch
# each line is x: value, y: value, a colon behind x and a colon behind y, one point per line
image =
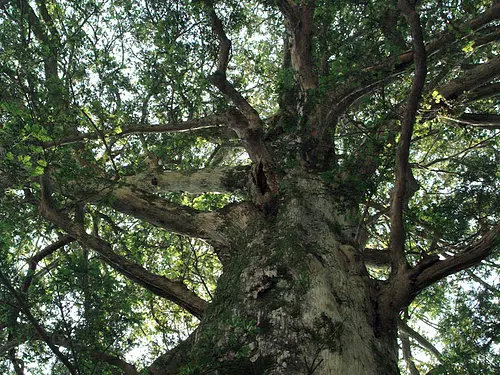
x: 374, y: 76
x: 376, y: 258
x: 407, y: 356
x: 50, y: 62
x: 34, y: 322
x: 126, y: 367
x: 442, y: 41
x: 483, y: 92
x: 169, y: 216
x: 211, y: 121
x: 299, y: 24
x: 218, y: 180
x: 397, y: 233
x: 246, y: 121
x: 471, y: 79
x: 476, y: 120
x: 403, y: 327
x: 470, y: 256
x: 33, y: 263
x: 219, y: 77
x: 175, y: 291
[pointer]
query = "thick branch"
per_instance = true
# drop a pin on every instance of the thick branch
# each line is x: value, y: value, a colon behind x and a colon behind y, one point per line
x: 219, y: 77
x: 50, y: 62
x: 47, y: 19
x: 476, y: 120
x: 483, y: 92
x: 169, y: 216
x: 218, y: 180
x: 376, y: 258
x: 299, y: 24
x: 472, y: 255
x: 471, y: 79
x: 175, y: 291
x: 397, y: 239
x: 126, y: 367
x: 407, y: 356
x: 246, y: 121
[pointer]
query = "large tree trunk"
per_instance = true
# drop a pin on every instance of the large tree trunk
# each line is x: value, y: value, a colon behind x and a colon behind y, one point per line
x: 294, y: 298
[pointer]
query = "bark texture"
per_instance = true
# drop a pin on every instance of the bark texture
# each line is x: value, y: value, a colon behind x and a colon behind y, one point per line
x: 294, y: 298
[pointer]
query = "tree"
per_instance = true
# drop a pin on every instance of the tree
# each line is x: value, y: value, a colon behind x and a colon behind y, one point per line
x: 302, y: 178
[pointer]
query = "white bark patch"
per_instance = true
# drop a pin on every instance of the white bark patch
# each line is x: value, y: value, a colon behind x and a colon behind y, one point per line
x: 197, y: 182
x: 342, y: 299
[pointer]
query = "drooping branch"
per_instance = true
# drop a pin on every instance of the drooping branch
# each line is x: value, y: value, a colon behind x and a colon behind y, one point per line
x: 34, y: 322
x: 470, y: 256
x: 404, y: 327
x: 173, y: 290
x: 397, y: 233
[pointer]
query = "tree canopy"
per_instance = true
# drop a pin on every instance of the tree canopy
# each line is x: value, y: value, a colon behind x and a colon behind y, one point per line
x: 136, y: 137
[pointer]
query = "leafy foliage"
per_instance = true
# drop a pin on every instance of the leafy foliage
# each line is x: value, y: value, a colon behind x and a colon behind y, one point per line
x: 97, y: 91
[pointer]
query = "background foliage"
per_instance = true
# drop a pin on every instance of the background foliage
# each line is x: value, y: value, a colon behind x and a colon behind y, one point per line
x: 97, y: 67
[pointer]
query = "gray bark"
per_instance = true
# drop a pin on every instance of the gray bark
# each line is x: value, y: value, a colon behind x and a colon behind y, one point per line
x: 295, y: 298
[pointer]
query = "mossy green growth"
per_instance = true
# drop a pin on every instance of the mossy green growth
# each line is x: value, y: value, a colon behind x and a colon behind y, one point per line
x: 225, y: 341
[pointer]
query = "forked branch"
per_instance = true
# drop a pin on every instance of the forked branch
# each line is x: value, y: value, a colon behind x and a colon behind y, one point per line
x: 245, y: 121
x: 219, y: 78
